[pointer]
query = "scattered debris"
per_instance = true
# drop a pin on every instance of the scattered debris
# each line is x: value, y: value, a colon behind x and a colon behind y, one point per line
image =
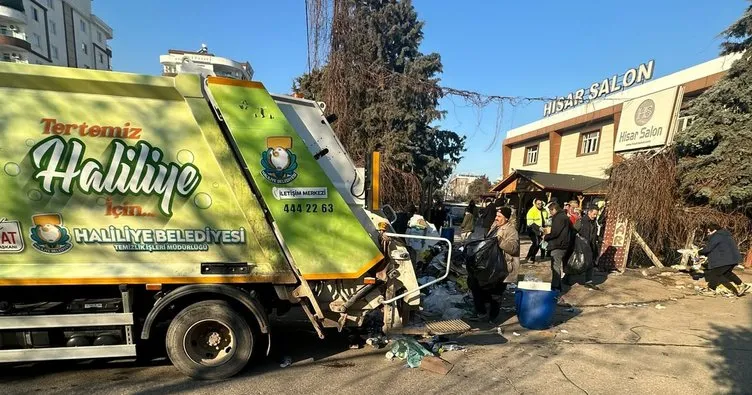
x: 515, y: 333
x: 723, y: 291
x: 436, y: 365
x: 445, y: 301
x: 377, y: 341
x: 286, y: 361
x: 660, y: 306
x: 440, y: 348
x: 454, y: 313
x: 407, y: 348
x: 426, y: 279
x: 564, y: 331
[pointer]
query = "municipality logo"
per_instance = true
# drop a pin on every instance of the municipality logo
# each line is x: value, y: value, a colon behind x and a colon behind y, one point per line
x: 278, y: 160
x: 49, y: 234
x: 644, y: 112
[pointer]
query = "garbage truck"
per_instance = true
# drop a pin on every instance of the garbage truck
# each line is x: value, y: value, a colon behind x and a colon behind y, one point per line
x: 178, y: 213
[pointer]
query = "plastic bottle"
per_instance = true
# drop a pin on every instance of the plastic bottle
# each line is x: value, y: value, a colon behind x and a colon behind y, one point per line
x: 414, y: 358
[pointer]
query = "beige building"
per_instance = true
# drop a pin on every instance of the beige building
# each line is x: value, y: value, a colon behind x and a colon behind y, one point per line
x: 458, y: 186
x: 585, y: 132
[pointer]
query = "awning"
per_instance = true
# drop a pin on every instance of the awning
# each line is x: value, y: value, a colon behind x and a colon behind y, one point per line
x: 538, y: 181
x: 598, y: 189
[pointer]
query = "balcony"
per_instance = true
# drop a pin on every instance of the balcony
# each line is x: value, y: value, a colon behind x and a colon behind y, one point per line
x: 14, y: 40
x: 10, y: 58
x: 12, y: 12
x: 102, y: 25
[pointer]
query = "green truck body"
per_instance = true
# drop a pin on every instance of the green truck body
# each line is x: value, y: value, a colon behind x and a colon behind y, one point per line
x: 197, y: 192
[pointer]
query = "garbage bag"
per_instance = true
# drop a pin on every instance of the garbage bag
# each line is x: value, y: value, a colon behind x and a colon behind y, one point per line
x: 454, y: 313
x: 419, y: 227
x: 486, y: 262
x: 581, y: 258
x: 440, y: 300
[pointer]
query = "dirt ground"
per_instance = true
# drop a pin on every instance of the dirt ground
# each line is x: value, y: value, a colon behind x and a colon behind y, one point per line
x: 642, y: 333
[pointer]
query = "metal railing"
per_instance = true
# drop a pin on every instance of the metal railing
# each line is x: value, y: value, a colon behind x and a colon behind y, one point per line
x: 11, y: 33
x: 428, y: 284
x: 24, y: 61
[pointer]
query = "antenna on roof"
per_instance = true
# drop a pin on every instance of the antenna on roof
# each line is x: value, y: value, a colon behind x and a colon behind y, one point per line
x: 204, y: 49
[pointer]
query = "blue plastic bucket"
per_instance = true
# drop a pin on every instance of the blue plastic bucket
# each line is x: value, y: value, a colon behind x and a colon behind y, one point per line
x: 535, y: 309
x: 448, y: 233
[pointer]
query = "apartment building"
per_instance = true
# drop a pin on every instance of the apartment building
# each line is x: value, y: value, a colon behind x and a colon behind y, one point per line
x: 54, y: 32
x: 458, y: 186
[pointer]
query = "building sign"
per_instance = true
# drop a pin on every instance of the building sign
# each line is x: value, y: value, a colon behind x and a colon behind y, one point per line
x: 617, y: 82
x: 646, y: 121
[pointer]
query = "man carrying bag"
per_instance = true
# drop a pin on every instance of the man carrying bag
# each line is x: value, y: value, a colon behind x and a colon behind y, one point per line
x: 491, y: 264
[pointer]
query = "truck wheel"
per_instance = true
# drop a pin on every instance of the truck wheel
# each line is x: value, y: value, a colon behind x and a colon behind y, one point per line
x: 209, y: 340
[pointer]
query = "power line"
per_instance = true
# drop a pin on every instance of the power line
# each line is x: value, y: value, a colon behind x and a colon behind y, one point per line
x: 308, y: 36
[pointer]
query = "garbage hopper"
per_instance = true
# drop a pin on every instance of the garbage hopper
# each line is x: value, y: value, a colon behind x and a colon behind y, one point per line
x: 535, y: 308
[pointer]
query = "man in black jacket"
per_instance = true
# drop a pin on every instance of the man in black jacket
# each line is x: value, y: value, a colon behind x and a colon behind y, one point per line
x: 723, y: 255
x: 559, y: 241
x: 587, y: 228
x: 489, y: 216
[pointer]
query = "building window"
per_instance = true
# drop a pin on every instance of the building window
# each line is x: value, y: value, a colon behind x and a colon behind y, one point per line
x: 6, y: 57
x: 53, y: 27
x: 101, y: 58
x: 85, y: 48
x: 531, y: 155
x: 37, y: 41
x: 99, y: 36
x: 35, y: 13
x: 589, y: 142
x: 83, y: 25
x: 55, y: 54
x: 51, y: 4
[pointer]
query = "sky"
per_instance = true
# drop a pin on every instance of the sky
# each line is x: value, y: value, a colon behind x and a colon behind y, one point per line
x: 543, y: 48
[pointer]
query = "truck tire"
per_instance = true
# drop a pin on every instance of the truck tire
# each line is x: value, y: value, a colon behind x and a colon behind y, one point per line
x: 209, y: 340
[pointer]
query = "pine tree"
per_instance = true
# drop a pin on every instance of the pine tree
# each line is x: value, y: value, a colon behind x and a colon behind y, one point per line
x: 715, y: 152
x: 385, y: 91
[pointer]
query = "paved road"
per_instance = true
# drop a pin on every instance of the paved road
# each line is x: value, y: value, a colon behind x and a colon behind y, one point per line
x: 694, y: 345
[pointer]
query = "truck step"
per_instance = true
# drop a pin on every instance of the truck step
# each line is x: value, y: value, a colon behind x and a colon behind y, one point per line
x: 435, y: 328
x: 64, y: 353
x: 65, y: 320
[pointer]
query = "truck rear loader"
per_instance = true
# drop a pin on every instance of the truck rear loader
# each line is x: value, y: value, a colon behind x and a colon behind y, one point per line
x: 142, y: 213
